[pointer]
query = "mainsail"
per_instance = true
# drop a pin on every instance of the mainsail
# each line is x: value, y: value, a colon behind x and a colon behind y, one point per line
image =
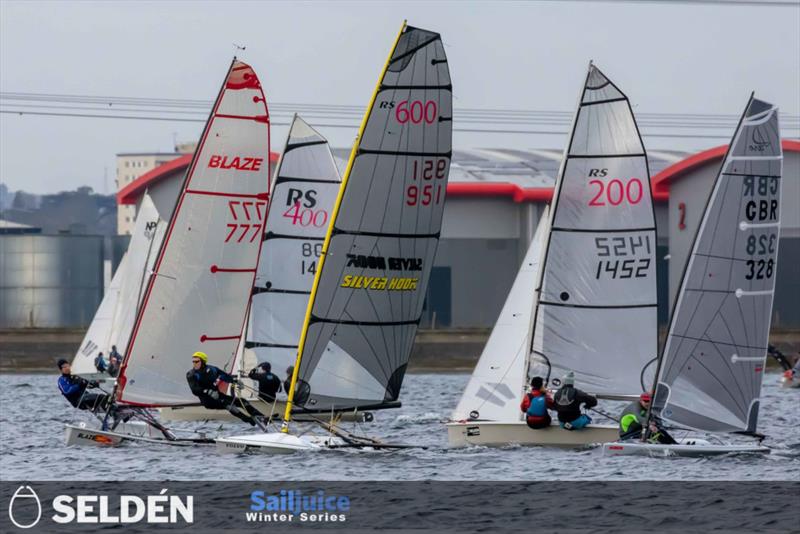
x: 714, y: 358
x: 304, y: 189
x: 113, y: 322
x: 596, y: 312
x: 498, y: 381
x: 368, y: 293
x: 198, y: 295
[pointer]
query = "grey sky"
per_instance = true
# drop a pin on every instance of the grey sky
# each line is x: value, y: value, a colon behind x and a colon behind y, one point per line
x: 667, y: 58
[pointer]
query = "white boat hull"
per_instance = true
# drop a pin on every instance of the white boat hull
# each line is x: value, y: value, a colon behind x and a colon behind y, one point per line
x: 499, y: 434
x: 275, y: 443
x: 689, y: 447
x: 198, y: 413
x: 81, y: 434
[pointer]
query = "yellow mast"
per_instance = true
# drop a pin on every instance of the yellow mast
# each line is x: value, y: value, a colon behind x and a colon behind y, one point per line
x: 288, y: 413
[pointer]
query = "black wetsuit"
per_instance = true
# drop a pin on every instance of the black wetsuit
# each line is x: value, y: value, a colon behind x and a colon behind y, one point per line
x: 203, y: 383
x: 268, y: 383
x: 74, y: 390
x: 568, y: 402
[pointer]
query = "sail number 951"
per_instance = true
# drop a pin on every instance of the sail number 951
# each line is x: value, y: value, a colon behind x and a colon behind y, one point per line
x: 426, y: 170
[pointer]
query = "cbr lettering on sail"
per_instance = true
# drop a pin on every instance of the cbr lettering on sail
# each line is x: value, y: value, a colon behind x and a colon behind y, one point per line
x: 198, y: 295
x: 714, y: 358
x: 304, y: 190
x: 376, y: 260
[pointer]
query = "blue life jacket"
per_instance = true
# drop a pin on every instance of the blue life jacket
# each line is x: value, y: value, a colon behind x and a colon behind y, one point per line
x: 538, y: 407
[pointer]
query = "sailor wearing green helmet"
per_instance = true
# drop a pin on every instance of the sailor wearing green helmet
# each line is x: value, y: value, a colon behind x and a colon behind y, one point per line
x: 633, y: 419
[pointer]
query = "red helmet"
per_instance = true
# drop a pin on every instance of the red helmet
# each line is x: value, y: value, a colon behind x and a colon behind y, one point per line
x: 645, y: 397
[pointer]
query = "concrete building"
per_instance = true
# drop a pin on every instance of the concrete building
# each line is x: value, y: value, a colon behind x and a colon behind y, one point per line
x: 131, y: 166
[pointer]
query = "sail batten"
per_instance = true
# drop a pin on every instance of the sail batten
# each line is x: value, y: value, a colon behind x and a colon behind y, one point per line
x: 713, y: 361
x: 368, y: 294
x: 596, y: 312
x: 304, y: 189
x: 198, y: 295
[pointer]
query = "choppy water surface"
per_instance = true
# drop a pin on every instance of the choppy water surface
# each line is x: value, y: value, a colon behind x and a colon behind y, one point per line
x: 32, y: 415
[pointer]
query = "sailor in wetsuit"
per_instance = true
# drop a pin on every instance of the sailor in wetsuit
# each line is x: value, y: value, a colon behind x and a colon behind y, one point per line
x: 268, y: 383
x: 74, y: 388
x: 203, y: 381
x: 568, y: 400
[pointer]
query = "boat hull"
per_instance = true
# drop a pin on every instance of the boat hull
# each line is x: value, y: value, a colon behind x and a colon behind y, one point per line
x: 686, y: 448
x: 83, y: 435
x: 499, y: 434
x: 198, y: 413
x: 275, y: 443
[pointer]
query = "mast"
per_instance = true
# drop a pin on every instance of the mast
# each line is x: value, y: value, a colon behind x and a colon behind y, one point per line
x: 326, y: 244
x: 596, y: 312
x: 711, y: 368
x: 200, y: 288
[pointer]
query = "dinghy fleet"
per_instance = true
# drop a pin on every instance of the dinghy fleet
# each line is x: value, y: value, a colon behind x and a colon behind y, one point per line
x: 326, y: 275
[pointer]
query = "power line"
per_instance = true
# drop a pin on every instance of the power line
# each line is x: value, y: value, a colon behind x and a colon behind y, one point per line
x: 748, y: 3
x: 354, y: 126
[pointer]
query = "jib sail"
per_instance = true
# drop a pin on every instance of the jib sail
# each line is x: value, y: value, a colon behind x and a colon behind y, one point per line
x: 596, y: 313
x: 304, y: 190
x: 377, y: 257
x: 498, y: 382
x: 113, y: 322
x: 198, y: 295
x: 713, y: 361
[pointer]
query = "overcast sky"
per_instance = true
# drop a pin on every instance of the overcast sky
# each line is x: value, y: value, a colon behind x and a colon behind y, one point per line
x: 667, y: 58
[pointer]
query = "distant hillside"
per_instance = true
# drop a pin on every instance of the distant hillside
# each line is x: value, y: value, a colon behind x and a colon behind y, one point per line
x: 78, y: 212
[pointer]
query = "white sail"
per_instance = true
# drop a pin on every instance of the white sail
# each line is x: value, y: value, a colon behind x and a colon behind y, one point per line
x: 113, y: 322
x: 368, y: 294
x: 142, y: 251
x: 304, y: 190
x: 596, y: 313
x: 498, y: 382
x: 98, y: 337
x: 714, y: 358
x: 198, y: 295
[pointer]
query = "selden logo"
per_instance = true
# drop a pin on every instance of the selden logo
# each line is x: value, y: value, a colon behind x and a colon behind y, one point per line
x: 25, y: 509
x: 292, y: 505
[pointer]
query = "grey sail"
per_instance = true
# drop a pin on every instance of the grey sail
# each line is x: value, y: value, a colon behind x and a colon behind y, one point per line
x: 371, y: 287
x: 304, y: 190
x: 596, y: 312
x: 713, y: 361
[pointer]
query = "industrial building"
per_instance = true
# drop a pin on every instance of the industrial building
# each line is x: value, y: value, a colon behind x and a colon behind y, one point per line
x: 495, y: 198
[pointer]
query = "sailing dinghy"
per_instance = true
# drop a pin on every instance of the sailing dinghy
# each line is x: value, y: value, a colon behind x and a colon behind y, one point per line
x: 304, y: 189
x: 198, y: 293
x: 592, y: 309
x: 711, y: 370
x: 370, y: 285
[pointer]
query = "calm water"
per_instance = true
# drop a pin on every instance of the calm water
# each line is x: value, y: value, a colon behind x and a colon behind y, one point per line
x: 32, y: 415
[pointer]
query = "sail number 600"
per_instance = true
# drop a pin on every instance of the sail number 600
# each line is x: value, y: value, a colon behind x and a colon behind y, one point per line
x: 415, y: 111
x: 615, y: 192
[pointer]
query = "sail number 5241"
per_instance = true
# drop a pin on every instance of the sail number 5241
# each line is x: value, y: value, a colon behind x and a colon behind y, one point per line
x: 615, y: 192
